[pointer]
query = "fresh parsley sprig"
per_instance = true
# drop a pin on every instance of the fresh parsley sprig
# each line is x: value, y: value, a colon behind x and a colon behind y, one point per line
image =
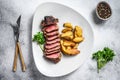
x: 103, y: 57
x: 39, y: 38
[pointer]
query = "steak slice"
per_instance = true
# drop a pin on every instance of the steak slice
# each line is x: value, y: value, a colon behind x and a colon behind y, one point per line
x: 53, y: 41
x: 55, y: 51
x: 47, y: 46
x: 51, y: 28
x: 52, y: 50
x: 51, y: 33
x: 55, y: 57
x: 51, y: 37
x: 49, y: 50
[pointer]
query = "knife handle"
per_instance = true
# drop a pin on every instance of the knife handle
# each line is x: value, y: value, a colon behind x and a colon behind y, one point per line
x: 15, y: 59
x: 21, y: 58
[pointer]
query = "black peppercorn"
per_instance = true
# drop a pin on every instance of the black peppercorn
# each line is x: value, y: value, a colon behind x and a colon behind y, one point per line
x: 103, y: 10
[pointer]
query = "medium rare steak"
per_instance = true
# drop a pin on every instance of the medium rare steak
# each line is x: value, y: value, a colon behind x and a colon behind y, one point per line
x: 46, y: 50
x: 52, y: 37
x: 50, y: 28
x: 47, y: 46
x: 54, y: 57
x: 55, y: 51
x: 53, y: 41
x: 51, y: 34
x: 49, y: 50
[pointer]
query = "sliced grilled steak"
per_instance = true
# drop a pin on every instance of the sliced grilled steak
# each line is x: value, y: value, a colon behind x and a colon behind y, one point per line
x: 49, y: 50
x: 56, y: 57
x: 52, y: 37
x: 52, y: 45
x: 51, y: 28
x: 55, y: 51
x: 53, y: 41
x: 46, y: 50
x: 51, y: 33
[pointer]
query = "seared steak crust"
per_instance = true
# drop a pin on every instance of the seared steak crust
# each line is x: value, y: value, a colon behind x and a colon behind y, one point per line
x: 49, y: 20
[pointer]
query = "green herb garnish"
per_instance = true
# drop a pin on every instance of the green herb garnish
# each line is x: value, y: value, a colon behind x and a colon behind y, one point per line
x: 39, y: 38
x: 103, y: 57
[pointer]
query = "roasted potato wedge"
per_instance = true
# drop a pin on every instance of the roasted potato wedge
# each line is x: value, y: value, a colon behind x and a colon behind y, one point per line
x: 76, y: 46
x: 78, y: 39
x: 70, y: 39
x: 68, y: 47
x: 69, y: 51
x: 75, y: 33
x: 68, y: 43
x: 67, y: 35
x: 68, y: 25
x: 61, y: 41
x: 78, y: 31
x: 66, y: 29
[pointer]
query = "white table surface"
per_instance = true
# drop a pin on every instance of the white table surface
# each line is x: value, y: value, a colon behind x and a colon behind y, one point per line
x: 106, y: 33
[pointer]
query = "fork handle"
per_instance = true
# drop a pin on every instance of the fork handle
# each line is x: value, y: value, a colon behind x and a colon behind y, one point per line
x: 21, y: 58
x: 15, y: 59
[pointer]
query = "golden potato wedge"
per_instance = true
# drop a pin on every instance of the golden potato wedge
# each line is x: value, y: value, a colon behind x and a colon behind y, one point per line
x: 75, y: 33
x: 67, y: 35
x: 69, y: 51
x: 68, y: 43
x: 78, y: 31
x: 68, y: 47
x: 68, y: 25
x: 72, y: 52
x: 78, y: 39
x: 61, y: 41
x: 66, y: 29
x: 76, y: 46
x: 71, y: 39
